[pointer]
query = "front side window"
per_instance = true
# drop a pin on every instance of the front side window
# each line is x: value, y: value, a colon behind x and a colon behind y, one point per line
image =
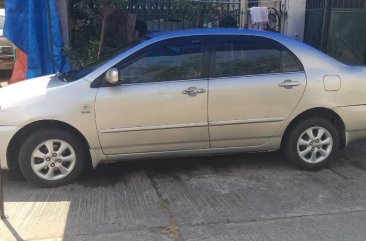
x: 175, y: 59
x: 240, y: 56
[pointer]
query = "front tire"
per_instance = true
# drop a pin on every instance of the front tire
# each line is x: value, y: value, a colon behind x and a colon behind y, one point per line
x: 51, y: 157
x: 311, y: 144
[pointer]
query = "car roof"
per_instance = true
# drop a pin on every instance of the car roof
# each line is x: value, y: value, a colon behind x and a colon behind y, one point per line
x: 215, y: 31
x: 307, y: 54
x: 296, y: 46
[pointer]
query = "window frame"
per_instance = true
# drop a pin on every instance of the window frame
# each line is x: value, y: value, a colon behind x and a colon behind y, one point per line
x: 146, y: 50
x: 223, y: 38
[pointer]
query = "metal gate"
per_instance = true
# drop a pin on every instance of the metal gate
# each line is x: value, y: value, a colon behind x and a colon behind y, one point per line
x: 338, y: 27
x: 170, y: 15
x: 149, y: 16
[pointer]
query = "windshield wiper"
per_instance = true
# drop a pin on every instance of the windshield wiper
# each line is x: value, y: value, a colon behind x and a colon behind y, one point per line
x: 65, y: 76
x: 62, y: 76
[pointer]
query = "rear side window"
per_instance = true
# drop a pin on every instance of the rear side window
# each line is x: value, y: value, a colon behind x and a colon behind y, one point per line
x: 177, y: 59
x: 248, y: 55
x: 289, y: 63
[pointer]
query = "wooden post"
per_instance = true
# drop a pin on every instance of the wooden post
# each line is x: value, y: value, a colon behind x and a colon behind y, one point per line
x: 50, y: 35
x: 62, y: 8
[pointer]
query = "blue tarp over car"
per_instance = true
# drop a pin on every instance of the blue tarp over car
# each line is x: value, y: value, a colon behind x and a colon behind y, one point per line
x: 32, y: 30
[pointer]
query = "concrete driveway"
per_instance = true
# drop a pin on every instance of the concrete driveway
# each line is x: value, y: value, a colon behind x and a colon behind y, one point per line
x: 239, y: 197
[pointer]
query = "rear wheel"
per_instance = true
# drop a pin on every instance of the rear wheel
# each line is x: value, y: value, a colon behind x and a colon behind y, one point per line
x: 51, y: 158
x: 312, y: 143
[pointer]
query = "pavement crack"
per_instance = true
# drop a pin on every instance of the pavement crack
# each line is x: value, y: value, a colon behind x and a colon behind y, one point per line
x: 358, y: 165
x: 337, y: 173
x: 173, y: 229
x: 274, y: 219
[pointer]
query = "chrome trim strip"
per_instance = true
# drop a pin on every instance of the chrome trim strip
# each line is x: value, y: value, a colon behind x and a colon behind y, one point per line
x: 201, y: 124
x: 149, y: 128
x: 247, y: 121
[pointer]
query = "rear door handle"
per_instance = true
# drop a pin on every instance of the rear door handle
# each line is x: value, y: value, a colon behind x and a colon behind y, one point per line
x: 193, y: 91
x: 288, y: 84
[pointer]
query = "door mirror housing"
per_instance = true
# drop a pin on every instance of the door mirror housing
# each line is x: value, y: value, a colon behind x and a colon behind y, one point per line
x: 112, y: 76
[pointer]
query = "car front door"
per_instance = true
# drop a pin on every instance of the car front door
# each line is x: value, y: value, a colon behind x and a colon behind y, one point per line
x: 161, y: 103
x: 255, y: 84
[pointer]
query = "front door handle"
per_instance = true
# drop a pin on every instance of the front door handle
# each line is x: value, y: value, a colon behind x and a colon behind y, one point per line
x: 288, y: 84
x: 192, y: 91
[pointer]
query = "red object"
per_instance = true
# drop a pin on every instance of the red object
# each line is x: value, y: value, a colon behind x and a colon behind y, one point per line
x: 20, y: 67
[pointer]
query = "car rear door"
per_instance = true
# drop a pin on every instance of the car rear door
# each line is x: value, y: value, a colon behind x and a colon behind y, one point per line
x: 161, y: 104
x: 255, y: 84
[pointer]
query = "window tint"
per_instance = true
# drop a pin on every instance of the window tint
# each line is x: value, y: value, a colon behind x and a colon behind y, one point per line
x: 289, y: 64
x: 248, y: 56
x: 172, y: 60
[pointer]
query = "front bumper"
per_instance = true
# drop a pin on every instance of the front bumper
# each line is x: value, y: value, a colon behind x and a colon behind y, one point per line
x: 6, y: 134
x: 6, y: 62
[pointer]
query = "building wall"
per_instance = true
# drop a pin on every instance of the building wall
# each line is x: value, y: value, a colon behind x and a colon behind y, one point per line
x: 295, y: 22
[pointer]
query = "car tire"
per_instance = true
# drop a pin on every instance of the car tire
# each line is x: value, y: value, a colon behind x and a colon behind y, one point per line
x: 52, y: 157
x: 311, y: 144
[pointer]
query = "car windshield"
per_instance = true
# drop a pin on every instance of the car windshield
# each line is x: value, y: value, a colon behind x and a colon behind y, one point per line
x: 75, y: 74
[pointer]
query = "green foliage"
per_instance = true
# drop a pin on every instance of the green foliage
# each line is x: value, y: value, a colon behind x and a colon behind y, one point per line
x: 90, y: 16
x: 89, y: 21
x: 79, y: 60
x: 93, y: 50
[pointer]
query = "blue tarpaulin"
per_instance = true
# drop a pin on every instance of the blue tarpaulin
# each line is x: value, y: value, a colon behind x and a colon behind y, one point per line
x: 32, y: 30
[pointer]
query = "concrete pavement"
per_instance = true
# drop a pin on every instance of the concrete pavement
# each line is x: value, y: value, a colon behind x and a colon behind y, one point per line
x: 235, y: 197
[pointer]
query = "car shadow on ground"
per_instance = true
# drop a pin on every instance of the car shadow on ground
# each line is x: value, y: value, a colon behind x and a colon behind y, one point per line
x: 112, y: 173
x: 166, y: 199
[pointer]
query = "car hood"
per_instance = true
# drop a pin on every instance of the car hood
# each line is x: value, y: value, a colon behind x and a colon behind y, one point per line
x: 4, y: 42
x: 24, y: 90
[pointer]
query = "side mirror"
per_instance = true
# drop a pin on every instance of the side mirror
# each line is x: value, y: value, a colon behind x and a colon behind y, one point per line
x: 112, y: 76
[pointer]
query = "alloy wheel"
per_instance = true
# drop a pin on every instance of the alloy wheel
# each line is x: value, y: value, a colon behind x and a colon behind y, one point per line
x: 53, y: 159
x: 314, y: 145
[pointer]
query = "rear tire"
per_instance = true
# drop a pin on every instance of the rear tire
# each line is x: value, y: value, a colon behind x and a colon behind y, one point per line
x: 311, y: 144
x: 51, y: 157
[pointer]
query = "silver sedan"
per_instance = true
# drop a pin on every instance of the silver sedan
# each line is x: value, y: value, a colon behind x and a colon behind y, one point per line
x: 196, y: 92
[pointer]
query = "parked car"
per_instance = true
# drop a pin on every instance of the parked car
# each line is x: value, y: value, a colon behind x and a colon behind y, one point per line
x: 6, y: 47
x: 196, y: 92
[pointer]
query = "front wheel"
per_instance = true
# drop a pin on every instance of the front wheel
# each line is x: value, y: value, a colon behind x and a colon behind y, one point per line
x: 51, y: 158
x: 312, y: 143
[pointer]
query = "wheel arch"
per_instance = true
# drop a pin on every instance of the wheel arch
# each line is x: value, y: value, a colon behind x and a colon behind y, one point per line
x: 16, y: 141
x: 322, y: 113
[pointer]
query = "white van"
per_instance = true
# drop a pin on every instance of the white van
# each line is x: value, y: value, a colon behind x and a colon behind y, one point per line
x: 6, y: 47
